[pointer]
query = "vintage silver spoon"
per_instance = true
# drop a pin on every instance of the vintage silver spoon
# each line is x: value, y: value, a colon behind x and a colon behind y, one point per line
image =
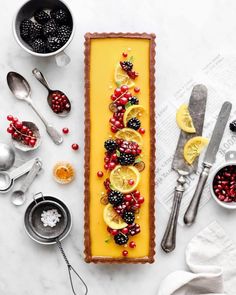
x: 21, y: 90
x: 67, y: 105
x: 18, y: 197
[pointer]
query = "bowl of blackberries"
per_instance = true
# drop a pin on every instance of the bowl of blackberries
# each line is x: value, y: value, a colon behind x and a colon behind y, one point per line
x: 44, y: 28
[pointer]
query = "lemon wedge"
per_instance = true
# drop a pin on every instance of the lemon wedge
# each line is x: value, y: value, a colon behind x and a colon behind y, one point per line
x: 125, y: 178
x: 130, y: 135
x: 184, y: 119
x: 121, y: 78
x: 193, y: 148
x: 112, y: 218
x: 135, y: 111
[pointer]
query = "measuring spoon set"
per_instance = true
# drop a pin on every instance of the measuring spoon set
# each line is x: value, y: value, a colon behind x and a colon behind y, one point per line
x: 7, y: 179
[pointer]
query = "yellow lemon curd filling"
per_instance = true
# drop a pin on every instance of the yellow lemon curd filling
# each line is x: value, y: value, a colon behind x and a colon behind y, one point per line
x: 104, y: 56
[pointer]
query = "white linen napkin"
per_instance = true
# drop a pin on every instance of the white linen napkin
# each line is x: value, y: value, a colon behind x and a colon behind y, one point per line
x: 211, y: 259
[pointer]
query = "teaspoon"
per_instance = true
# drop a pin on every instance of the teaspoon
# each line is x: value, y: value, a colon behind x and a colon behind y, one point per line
x: 61, y: 106
x: 21, y: 90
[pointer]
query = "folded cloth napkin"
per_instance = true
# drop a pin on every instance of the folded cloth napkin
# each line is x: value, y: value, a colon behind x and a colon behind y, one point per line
x: 211, y: 258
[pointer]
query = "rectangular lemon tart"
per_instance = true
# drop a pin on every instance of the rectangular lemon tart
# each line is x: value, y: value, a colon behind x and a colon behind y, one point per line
x: 119, y: 148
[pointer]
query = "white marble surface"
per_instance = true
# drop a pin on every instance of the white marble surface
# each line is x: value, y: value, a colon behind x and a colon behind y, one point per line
x: 188, y: 34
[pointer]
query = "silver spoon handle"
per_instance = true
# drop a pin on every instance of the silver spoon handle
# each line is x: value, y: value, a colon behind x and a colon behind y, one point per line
x: 31, y: 175
x: 52, y: 132
x: 40, y: 77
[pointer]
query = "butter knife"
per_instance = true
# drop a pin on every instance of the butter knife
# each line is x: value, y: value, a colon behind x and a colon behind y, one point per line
x: 208, y: 161
x: 197, y: 105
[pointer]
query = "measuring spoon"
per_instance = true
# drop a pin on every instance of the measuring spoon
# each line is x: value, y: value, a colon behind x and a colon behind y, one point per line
x: 21, y: 90
x: 18, y: 197
x: 7, y: 178
x: 40, y: 77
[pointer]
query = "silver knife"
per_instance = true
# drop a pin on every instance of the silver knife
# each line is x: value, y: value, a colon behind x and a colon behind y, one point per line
x: 208, y: 161
x: 197, y: 105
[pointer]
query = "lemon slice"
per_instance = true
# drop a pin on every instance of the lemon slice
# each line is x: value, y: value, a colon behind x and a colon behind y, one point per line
x: 113, y: 219
x: 193, y: 148
x: 125, y: 178
x: 184, y: 119
x: 121, y: 78
x: 130, y: 135
x: 135, y: 111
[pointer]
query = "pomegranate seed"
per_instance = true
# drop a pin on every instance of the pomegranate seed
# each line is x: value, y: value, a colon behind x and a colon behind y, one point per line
x: 131, y: 181
x: 75, y: 146
x: 125, y: 253
x: 125, y: 54
x: 112, y: 165
x: 132, y: 244
x: 125, y: 230
x: 141, y: 130
x: 65, y: 130
x: 114, y: 232
x: 100, y: 174
x: 136, y: 89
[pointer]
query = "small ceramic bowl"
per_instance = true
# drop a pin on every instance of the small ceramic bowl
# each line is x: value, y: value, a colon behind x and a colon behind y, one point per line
x: 230, y: 158
x: 26, y: 11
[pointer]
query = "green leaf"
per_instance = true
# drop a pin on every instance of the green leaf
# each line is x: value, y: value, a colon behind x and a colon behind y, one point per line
x: 129, y: 104
x: 138, y: 160
x: 131, y: 59
x: 112, y: 187
x: 107, y: 240
x: 118, y: 153
x: 118, y: 83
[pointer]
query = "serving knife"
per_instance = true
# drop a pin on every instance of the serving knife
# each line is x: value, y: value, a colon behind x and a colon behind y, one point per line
x: 197, y: 106
x: 208, y: 161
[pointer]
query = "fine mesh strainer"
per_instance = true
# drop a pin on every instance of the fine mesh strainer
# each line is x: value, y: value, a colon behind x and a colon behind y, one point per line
x: 48, y: 235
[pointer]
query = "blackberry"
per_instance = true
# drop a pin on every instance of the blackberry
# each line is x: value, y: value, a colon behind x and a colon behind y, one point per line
x: 129, y: 217
x: 110, y: 145
x: 60, y: 16
x: 41, y: 16
x: 64, y: 33
x: 35, y: 31
x: 121, y: 239
x: 126, y: 159
x: 134, y: 123
x: 50, y: 28
x: 38, y: 45
x: 134, y: 100
x: 53, y: 44
x: 126, y: 65
x: 115, y: 198
x: 25, y: 28
x: 232, y: 126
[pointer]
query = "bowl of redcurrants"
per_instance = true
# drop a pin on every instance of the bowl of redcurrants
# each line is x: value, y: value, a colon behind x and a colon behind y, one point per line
x: 223, y: 182
x: 44, y: 28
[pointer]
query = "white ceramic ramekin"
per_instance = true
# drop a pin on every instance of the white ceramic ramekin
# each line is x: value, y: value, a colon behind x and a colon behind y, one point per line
x: 230, y: 158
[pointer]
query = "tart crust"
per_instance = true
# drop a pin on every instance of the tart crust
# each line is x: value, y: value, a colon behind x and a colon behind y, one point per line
x: 87, y: 239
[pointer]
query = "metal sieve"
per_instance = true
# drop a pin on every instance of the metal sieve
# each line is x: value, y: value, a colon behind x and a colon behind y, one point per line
x: 51, y: 235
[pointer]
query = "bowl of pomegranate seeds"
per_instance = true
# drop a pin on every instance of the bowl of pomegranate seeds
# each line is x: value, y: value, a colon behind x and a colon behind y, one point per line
x: 223, y: 182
